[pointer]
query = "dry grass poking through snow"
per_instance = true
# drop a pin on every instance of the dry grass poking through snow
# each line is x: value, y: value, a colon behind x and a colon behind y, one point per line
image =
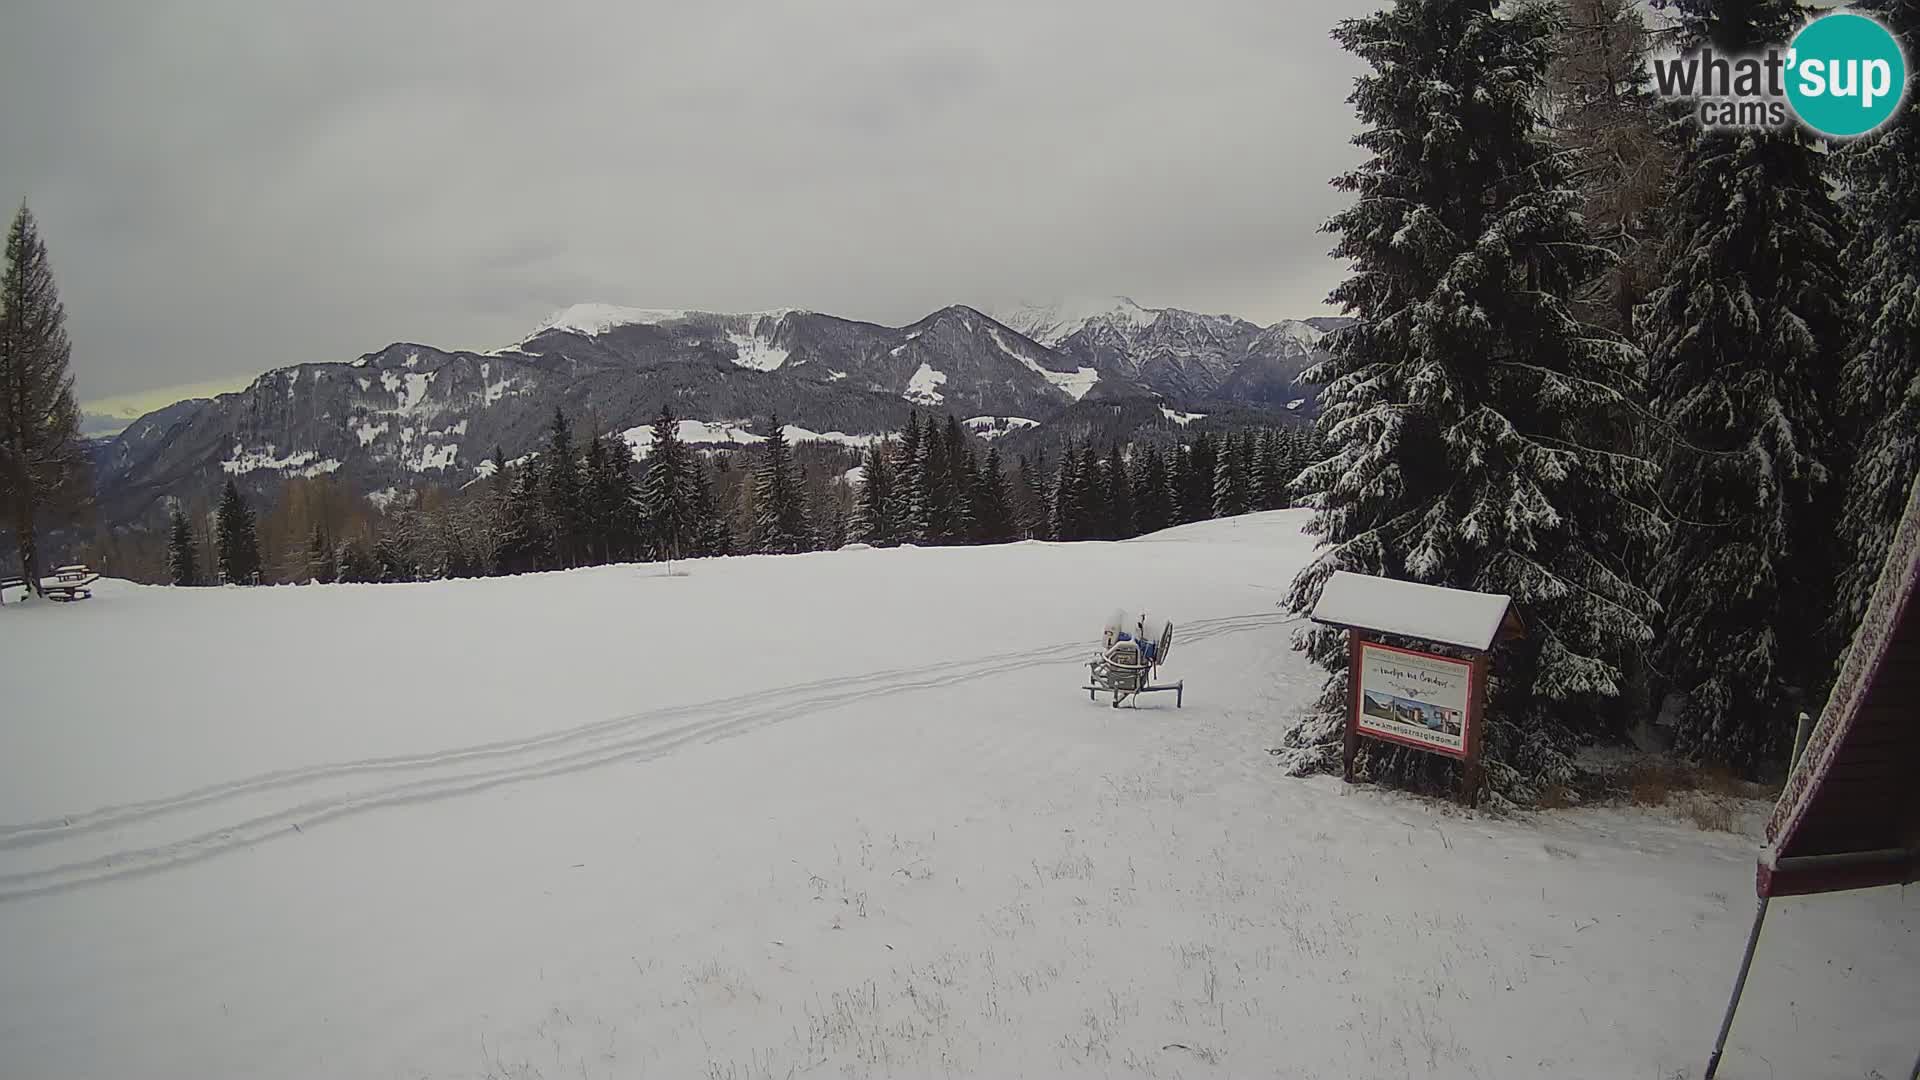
x: 1713, y: 799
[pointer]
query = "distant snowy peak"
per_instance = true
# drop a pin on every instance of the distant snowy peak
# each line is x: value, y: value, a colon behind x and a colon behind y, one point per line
x: 1300, y: 333
x: 1050, y: 324
x: 592, y: 320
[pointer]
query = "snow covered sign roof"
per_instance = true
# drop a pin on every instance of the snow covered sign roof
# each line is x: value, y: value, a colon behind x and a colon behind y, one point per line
x: 1850, y: 815
x: 1470, y: 620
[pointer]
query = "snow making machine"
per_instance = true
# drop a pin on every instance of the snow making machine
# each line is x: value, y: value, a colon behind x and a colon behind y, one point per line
x: 1129, y: 659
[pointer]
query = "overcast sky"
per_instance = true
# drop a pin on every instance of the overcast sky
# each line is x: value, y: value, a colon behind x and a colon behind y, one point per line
x: 230, y: 187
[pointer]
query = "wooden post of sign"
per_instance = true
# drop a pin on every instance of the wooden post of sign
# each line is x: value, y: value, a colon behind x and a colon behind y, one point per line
x: 1352, y: 748
x: 1477, y: 712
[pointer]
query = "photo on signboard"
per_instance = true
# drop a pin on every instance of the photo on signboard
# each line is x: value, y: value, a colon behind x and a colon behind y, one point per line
x: 1414, y: 697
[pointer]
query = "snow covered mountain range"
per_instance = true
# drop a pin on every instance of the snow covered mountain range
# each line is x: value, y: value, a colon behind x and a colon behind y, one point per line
x: 412, y: 413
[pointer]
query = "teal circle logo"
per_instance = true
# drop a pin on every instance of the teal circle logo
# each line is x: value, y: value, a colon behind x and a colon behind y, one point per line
x: 1846, y: 74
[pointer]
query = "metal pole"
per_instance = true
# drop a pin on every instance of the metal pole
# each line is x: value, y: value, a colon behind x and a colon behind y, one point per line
x: 1739, y: 986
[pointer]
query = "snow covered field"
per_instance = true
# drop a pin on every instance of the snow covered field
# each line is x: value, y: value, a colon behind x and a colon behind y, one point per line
x: 841, y: 814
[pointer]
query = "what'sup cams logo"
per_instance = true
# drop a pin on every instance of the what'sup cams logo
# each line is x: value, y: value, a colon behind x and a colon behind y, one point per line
x: 1842, y: 75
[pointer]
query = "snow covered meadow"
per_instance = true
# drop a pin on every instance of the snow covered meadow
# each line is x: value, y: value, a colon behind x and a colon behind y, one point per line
x: 841, y: 814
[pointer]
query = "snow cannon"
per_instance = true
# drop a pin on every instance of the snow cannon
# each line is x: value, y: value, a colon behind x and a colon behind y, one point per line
x: 1131, y: 652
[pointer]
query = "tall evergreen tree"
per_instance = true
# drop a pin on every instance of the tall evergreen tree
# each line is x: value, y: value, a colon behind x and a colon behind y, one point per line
x: 1066, y: 510
x: 357, y: 563
x: 322, y: 563
x: 713, y: 525
x: 1030, y: 501
x: 1267, y: 491
x: 1604, y: 110
x: 909, y: 483
x: 1881, y: 380
x: 873, y: 520
x: 562, y: 491
x: 994, y: 502
x: 599, y: 513
x: 933, y: 514
x: 43, y: 462
x: 1246, y: 454
x: 1152, y: 502
x: 667, y: 494
x: 1203, y: 463
x: 961, y: 469
x: 1096, y: 515
x: 1120, y: 508
x: 239, y: 544
x: 1742, y: 334
x: 1229, y: 480
x: 1179, y: 483
x: 1459, y: 404
x: 183, y: 562
x: 524, y: 540
x: 780, y: 517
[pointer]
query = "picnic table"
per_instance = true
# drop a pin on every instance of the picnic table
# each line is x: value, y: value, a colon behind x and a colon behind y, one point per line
x: 68, y: 583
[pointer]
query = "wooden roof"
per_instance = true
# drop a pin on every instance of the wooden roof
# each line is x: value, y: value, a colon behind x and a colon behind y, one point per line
x: 1850, y: 815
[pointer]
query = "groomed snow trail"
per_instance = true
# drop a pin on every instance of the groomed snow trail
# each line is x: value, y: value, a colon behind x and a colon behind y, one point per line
x: 261, y: 808
x: 830, y: 815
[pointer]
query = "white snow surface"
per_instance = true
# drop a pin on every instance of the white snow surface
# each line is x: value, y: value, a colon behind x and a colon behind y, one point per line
x: 923, y: 387
x: 756, y: 353
x: 993, y: 427
x: 735, y: 433
x: 591, y: 319
x: 1453, y: 616
x: 368, y: 831
x: 1074, y: 384
x: 305, y: 463
x: 1181, y: 418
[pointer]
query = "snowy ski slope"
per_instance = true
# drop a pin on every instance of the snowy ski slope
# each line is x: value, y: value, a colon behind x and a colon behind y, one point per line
x: 841, y: 814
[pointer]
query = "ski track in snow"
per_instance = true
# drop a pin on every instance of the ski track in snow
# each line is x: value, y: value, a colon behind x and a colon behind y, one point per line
x: 426, y: 777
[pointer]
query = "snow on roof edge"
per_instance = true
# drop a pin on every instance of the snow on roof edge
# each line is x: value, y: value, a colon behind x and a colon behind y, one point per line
x: 1459, y: 617
x: 1893, y: 594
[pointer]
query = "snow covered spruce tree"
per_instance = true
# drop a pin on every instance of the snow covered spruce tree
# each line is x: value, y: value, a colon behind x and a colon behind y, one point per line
x: 961, y: 471
x: 1152, y: 503
x: 43, y: 462
x: 1880, y: 384
x: 1066, y: 516
x: 560, y: 487
x: 1229, y: 480
x: 1120, y: 509
x: 1193, y: 500
x: 909, y: 484
x: 1744, y: 337
x: 994, y: 503
x: 780, y: 515
x: 712, y: 524
x: 1458, y: 407
x: 873, y: 521
x: 1032, y: 504
x: 1096, y: 514
x: 667, y: 493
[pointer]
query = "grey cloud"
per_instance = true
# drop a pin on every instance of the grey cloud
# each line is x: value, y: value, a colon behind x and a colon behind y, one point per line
x: 229, y: 186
